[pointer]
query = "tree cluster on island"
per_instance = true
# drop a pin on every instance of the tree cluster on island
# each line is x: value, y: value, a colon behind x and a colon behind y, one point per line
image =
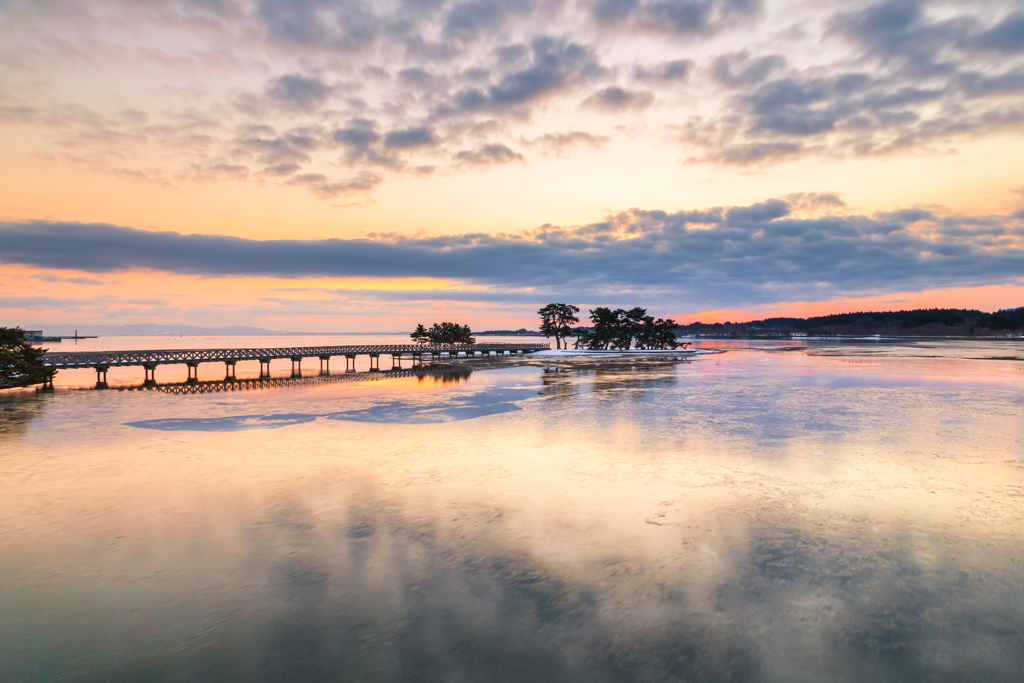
x: 443, y: 333
x: 21, y: 364
x: 612, y: 329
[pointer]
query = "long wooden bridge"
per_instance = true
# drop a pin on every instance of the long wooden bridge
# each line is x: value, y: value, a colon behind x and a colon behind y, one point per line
x: 102, y: 361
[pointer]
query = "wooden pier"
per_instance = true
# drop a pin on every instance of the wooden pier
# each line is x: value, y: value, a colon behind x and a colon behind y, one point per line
x: 102, y: 361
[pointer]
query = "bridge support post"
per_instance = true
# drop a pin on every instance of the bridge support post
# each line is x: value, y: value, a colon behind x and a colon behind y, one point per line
x: 396, y: 361
x: 264, y: 368
x: 325, y: 365
x: 48, y: 382
x: 350, y: 357
x: 374, y: 362
x: 101, y: 376
x: 193, y: 372
x: 417, y: 359
x: 150, y: 369
x: 296, y: 366
x: 229, y: 370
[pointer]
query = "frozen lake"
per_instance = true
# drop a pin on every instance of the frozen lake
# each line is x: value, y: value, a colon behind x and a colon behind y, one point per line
x: 783, y: 511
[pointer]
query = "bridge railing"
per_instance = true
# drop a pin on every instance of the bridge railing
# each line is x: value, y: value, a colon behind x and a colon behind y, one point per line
x: 84, y: 359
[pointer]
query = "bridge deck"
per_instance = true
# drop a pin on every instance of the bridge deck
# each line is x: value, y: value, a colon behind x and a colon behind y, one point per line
x: 151, y: 358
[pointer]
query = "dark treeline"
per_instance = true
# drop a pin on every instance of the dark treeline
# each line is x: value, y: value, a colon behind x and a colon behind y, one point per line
x: 443, y: 333
x: 919, y: 322
x: 21, y: 364
x: 612, y: 329
x: 521, y: 332
x: 622, y: 329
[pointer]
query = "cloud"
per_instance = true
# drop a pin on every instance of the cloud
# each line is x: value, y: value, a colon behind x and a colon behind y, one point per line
x: 363, y: 144
x: 814, y: 201
x: 295, y: 92
x: 385, y: 79
x: 757, y: 152
x: 347, y: 27
x: 502, y: 296
x: 555, y: 67
x: 469, y: 21
x: 1007, y: 36
x: 48, y: 277
x: 359, y: 135
x: 43, y: 303
x: 739, y: 69
x: 324, y: 187
x: 281, y: 170
x: 559, y: 143
x: 721, y: 256
x: 616, y: 99
x: 674, y: 17
x: 420, y: 78
x: 758, y: 213
x: 917, y: 76
x: 410, y: 138
x: 488, y: 155
x: 216, y: 171
x: 295, y: 147
x: 675, y: 71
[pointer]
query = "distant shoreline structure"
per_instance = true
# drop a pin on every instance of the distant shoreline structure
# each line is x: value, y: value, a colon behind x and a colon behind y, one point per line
x: 153, y: 330
x: 522, y: 332
x: 929, y: 323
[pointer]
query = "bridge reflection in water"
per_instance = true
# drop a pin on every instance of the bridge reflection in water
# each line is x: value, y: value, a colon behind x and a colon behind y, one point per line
x: 439, y: 373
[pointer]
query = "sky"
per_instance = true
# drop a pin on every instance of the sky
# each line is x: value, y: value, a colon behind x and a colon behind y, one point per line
x: 319, y: 165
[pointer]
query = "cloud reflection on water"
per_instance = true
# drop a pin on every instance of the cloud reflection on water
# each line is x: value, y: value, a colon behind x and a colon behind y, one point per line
x: 440, y: 408
x: 709, y: 521
x: 235, y: 423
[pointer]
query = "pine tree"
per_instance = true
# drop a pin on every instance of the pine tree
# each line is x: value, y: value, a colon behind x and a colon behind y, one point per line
x: 21, y: 365
x: 443, y: 333
x: 558, y: 320
x: 420, y: 335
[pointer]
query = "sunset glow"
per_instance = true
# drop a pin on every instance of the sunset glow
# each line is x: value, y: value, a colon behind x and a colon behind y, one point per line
x: 363, y: 167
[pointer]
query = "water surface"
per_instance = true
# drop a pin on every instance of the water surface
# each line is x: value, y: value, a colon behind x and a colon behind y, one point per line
x: 780, y: 512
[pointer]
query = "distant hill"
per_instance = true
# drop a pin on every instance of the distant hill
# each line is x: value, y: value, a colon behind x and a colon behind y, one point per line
x: 925, y: 322
x: 150, y: 329
x: 155, y: 330
x: 521, y: 332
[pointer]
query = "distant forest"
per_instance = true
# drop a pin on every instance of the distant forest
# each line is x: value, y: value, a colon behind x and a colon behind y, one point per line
x: 925, y: 322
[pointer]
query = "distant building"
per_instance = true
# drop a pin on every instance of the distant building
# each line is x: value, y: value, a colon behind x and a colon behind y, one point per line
x: 33, y: 334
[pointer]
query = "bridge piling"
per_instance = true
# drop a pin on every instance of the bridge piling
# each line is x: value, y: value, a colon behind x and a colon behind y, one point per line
x: 350, y: 357
x: 229, y: 370
x: 193, y: 372
x: 296, y: 366
x: 374, y: 362
x: 325, y: 365
x: 264, y: 368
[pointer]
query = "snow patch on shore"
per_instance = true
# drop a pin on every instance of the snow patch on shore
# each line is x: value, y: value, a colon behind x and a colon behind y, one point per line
x: 575, y: 353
